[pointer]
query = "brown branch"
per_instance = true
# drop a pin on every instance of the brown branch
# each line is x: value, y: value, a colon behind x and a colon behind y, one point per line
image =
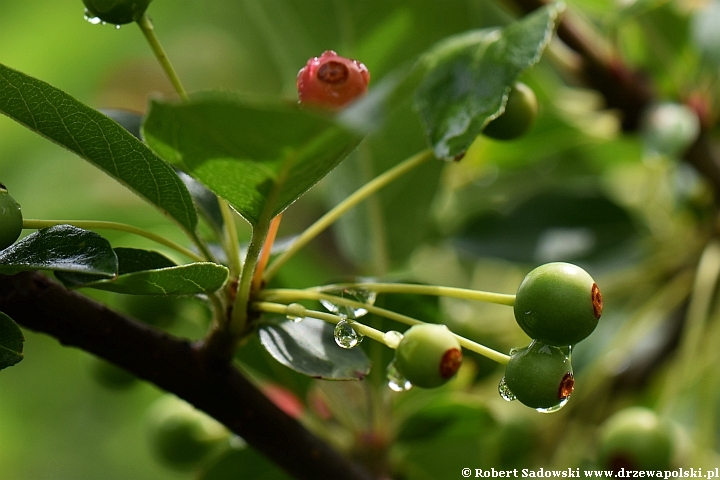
x: 178, y: 366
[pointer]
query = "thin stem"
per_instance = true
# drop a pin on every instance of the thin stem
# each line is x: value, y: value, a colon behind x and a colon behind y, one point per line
x: 122, y: 227
x: 231, y: 238
x: 330, y: 217
x: 464, y: 293
x: 360, y: 328
x: 265, y: 253
x: 149, y: 31
x: 291, y: 295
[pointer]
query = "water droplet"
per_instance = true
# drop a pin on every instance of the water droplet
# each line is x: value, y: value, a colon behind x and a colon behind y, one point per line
x: 505, y: 391
x: 554, y: 408
x: 393, y: 338
x: 117, y: 27
x: 361, y: 296
x: 295, y: 312
x: 396, y: 381
x: 90, y: 18
x: 346, y: 336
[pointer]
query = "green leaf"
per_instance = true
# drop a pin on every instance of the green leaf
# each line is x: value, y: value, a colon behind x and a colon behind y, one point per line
x: 309, y: 347
x: 255, y: 156
x: 469, y: 77
x: 59, y: 117
x: 144, y: 272
x: 61, y: 248
x: 11, y: 342
x: 246, y: 464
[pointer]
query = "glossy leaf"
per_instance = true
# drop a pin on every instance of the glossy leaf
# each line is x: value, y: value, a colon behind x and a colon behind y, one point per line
x: 469, y: 77
x: 143, y: 272
x: 11, y: 342
x: 255, y: 156
x: 309, y: 347
x: 54, y: 114
x: 247, y: 464
x: 61, y: 248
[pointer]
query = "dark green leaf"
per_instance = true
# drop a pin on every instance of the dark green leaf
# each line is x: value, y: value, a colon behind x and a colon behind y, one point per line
x: 11, y: 342
x: 470, y: 75
x: 57, y: 116
x: 309, y: 347
x: 144, y: 272
x: 61, y: 248
x: 255, y: 156
x: 245, y: 464
x: 445, y: 418
x: 205, y: 200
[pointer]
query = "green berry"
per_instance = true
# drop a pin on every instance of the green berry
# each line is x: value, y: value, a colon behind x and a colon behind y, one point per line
x: 540, y: 376
x: 181, y: 436
x: 116, y: 12
x: 11, y: 220
x: 519, y: 115
x: 636, y: 439
x: 428, y: 355
x: 558, y: 303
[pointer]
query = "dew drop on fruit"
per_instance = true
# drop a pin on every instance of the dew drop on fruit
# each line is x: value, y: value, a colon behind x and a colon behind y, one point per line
x: 117, y: 27
x: 356, y: 295
x: 392, y: 338
x: 396, y: 381
x: 295, y: 312
x: 91, y: 19
x: 505, y: 392
x: 346, y: 336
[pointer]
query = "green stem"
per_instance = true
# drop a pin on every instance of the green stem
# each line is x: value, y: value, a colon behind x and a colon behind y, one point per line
x: 292, y: 295
x: 121, y: 227
x: 149, y: 31
x: 330, y: 217
x: 232, y: 246
x: 300, y: 311
x: 464, y: 293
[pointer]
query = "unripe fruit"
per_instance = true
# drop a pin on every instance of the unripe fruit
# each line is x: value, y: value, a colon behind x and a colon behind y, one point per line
x: 540, y: 375
x: 558, y: 303
x: 181, y: 436
x: 331, y: 81
x: 519, y: 115
x: 11, y: 220
x: 117, y: 12
x: 636, y: 439
x: 428, y: 355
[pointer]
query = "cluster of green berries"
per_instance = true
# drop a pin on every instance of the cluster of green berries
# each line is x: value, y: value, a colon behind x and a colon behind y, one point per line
x: 116, y: 12
x: 11, y: 220
x: 557, y: 305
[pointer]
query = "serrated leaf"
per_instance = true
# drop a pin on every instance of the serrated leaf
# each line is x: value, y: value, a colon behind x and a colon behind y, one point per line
x: 61, y: 248
x: 256, y: 156
x: 469, y: 77
x: 93, y: 136
x: 246, y: 464
x: 144, y: 272
x: 309, y: 347
x: 11, y: 342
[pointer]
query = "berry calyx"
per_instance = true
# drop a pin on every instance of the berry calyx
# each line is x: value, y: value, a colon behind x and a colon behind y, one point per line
x: 116, y: 12
x: 636, y: 439
x: 519, y: 115
x: 11, y: 220
x: 331, y: 81
x: 558, y: 303
x: 540, y: 376
x: 428, y: 355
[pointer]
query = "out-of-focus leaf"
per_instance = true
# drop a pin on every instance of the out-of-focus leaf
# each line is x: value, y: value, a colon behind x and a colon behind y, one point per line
x: 61, y: 248
x: 255, y: 156
x: 54, y: 114
x: 309, y: 347
x: 130, y: 121
x: 470, y: 75
x: 11, y: 342
x: 705, y: 33
x: 245, y: 464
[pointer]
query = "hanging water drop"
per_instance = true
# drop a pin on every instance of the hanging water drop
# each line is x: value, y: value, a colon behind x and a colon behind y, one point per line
x: 392, y: 338
x: 505, y: 392
x: 346, y: 336
x: 117, y: 27
x: 295, y: 312
x: 396, y: 381
x: 356, y: 295
x: 93, y: 20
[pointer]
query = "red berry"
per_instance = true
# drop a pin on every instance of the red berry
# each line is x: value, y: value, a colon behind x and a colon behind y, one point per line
x: 331, y: 82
